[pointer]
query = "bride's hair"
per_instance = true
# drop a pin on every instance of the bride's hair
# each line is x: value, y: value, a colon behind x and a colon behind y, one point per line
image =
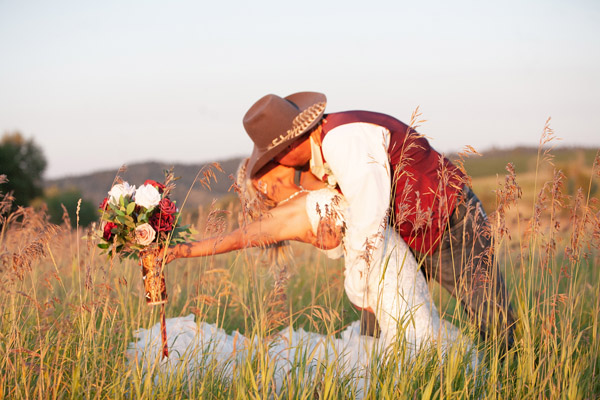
x: 254, y: 205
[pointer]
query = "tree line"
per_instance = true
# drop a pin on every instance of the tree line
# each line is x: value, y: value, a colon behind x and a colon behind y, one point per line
x: 23, y: 162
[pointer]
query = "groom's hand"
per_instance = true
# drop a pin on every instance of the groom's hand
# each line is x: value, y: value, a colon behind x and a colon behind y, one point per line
x: 329, y: 233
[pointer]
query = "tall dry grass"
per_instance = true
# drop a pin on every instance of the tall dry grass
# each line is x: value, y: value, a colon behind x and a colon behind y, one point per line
x: 68, y: 314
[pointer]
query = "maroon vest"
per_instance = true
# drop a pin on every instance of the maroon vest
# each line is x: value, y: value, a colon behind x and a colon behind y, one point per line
x: 424, y: 184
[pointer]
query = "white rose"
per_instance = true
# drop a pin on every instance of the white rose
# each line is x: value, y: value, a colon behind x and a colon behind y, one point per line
x: 122, y: 189
x: 144, y: 234
x: 147, y: 196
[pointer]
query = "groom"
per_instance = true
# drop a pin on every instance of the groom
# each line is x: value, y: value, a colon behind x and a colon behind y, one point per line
x: 389, y: 174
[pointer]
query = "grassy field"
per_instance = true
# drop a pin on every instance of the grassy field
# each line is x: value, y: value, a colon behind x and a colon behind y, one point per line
x: 68, y: 314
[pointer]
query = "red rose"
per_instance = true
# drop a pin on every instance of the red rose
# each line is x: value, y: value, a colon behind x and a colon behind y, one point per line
x: 167, y: 206
x: 162, y: 222
x: 159, y: 186
x: 103, y: 204
x: 108, y: 230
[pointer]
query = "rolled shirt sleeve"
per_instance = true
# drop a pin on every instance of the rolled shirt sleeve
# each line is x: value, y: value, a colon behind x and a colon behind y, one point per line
x: 358, y: 157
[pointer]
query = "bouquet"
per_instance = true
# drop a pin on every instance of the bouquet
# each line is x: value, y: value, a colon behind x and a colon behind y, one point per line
x: 139, y: 220
x: 141, y: 223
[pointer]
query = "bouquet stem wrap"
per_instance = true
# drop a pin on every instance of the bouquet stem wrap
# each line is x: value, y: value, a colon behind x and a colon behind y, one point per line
x: 155, y: 289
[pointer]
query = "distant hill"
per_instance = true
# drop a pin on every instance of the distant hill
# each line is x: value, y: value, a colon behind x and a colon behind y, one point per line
x: 488, y: 172
x: 492, y: 163
x: 95, y: 186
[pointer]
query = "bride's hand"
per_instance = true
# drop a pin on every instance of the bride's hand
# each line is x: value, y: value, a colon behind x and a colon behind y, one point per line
x: 170, y: 254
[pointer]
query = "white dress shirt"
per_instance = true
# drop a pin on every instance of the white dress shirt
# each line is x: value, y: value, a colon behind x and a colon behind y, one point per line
x: 357, y: 156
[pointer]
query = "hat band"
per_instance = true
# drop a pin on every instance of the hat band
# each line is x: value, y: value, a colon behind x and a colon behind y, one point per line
x: 299, y: 124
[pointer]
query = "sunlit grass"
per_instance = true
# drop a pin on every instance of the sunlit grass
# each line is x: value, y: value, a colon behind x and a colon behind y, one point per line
x: 68, y: 315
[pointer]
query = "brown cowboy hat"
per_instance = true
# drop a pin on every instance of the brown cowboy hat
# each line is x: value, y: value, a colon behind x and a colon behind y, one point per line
x: 274, y: 122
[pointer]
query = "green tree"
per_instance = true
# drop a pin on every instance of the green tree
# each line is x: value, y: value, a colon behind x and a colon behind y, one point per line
x: 23, y: 163
x: 56, y: 198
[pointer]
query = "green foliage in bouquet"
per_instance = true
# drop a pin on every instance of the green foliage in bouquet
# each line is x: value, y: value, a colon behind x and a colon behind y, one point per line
x: 135, y: 220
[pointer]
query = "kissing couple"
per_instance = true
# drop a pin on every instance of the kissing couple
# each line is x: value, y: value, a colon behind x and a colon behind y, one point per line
x: 366, y: 186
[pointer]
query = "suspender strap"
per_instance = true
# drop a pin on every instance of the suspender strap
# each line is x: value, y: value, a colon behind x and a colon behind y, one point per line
x: 297, y: 178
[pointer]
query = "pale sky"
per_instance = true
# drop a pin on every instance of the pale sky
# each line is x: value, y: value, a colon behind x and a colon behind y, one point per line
x: 101, y: 84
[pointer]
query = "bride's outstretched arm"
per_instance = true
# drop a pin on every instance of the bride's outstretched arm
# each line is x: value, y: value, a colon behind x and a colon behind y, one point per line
x: 285, y: 222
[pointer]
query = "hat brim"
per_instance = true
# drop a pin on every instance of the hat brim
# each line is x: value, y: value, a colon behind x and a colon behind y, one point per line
x: 304, y: 100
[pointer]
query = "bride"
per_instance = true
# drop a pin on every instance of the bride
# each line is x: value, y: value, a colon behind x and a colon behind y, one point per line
x: 288, y: 205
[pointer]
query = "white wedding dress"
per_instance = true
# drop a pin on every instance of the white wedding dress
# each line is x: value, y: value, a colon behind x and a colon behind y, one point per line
x: 396, y: 289
x: 400, y: 299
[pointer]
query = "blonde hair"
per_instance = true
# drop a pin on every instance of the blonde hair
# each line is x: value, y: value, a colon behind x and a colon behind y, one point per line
x: 254, y: 205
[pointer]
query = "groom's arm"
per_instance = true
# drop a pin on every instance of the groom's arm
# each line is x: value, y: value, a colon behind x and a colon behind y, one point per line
x: 357, y: 155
